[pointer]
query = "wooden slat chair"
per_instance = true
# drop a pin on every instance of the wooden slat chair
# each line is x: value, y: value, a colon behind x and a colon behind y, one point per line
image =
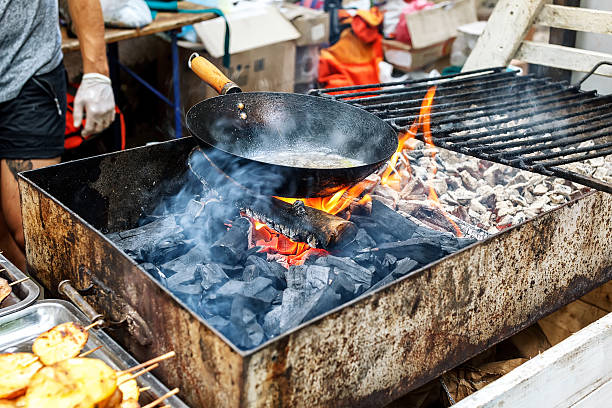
x: 503, y: 37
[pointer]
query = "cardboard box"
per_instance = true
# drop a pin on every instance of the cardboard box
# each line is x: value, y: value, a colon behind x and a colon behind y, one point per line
x: 313, y: 25
x: 436, y: 25
x: 262, y: 49
x: 406, y: 58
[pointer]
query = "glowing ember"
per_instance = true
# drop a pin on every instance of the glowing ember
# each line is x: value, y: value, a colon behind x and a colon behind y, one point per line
x: 279, y: 247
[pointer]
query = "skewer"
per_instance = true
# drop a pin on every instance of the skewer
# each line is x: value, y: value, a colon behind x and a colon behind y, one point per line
x: 138, y: 374
x: 35, y: 359
x: 86, y: 353
x: 143, y: 389
x: 94, y: 324
x: 19, y: 281
x: 146, y: 363
x: 163, y: 397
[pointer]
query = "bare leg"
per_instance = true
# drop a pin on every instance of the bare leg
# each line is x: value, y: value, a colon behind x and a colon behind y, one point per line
x: 11, y: 206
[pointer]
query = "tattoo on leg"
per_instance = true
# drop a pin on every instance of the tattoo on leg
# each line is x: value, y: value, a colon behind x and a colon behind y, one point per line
x: 17, y: 166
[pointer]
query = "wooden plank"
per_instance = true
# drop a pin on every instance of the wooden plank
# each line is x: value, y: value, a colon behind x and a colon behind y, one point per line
x: 163, y: 22
x: 563, y: 57
x: 506, y: 28
x: 568, y: 320
x: 575, y: 18
x: 600, y: 297
x: 558, y: 36
x: 561, y: 376
x: 531, y: 341
x: 600, y: 397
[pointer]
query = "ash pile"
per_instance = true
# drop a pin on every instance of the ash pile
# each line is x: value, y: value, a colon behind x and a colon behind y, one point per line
x: 200, y: 245
x: 484, y: 194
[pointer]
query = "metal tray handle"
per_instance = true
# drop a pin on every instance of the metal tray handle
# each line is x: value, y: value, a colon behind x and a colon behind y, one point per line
x: 65, y: 288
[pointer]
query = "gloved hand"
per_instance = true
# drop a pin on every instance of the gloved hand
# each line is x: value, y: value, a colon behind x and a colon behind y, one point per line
x: 95, y: 96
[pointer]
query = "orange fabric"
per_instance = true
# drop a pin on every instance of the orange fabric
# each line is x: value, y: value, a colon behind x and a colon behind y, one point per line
x: 354, y: 59
x: 374, y: 17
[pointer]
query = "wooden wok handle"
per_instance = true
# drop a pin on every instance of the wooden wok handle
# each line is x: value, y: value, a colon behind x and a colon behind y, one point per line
x: 212, y: 75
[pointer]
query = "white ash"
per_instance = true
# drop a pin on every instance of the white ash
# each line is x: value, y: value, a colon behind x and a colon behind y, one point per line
x: 599, y: 168
x: 488, y: 195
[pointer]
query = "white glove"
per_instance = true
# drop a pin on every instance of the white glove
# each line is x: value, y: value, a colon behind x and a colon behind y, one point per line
x: 95, y: 96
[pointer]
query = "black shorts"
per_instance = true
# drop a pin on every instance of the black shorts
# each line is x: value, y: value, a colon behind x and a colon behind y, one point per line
x: 33, y: 124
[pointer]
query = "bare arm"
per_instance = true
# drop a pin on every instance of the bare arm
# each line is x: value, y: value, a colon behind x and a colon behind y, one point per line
x: 89, y: 26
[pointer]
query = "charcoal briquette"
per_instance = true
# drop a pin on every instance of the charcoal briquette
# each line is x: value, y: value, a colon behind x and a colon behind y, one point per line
x: 249, y: 273
x: 271, y: 324
x: 212, y: 275
x: 342, y: 285
x: 404, y: 266
x: 185, y: 275
x: 354, y: 271
x: 232, y: 247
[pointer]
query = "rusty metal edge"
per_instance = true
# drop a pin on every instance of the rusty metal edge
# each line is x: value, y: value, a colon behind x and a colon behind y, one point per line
x: 411, y: 275
x: 21, y: 176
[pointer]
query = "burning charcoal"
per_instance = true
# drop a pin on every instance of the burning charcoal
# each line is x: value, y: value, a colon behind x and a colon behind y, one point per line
x: 403, y: 267
x: 361, y: 240
x: 155, y: 272
x: 300, y: 223
x: 295, y: 276
x: 423, y: 250
x: 271, y: 270
x: 191, y: 290
x: 220, y: 302
x: 324, y: 300
x: 183, y: 276
x: 260, y: 290
x: 197, y: 254
x: 219, y: 323
x: 245, y: 332
x: 231, y: 288
x: 249, y: 273
x: 354, y: 271
x: 343, y: 286
x: 389, y: 260
x: 212, y: 275
x: 316, y: 276
x: 384, y: 281
x: 231, y: 248
x: 392, y: 222
x: 165, y: 249
x: 271, y: 324
x: 131, y: 241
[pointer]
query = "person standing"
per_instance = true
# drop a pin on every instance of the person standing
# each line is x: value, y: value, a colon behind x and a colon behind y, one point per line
x: 33, y: 97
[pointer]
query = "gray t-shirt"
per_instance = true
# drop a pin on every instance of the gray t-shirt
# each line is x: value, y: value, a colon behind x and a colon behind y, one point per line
x: 30, y: 42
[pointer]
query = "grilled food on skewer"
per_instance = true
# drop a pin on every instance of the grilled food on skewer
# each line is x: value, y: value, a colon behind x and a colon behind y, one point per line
x: 73, y: 383
x: 16, y: 371
x: 60, y: 343
x: 129, y: 387
x: 6, y: 287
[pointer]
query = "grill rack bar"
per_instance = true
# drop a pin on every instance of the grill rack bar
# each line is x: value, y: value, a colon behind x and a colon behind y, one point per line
x: 526, y: 122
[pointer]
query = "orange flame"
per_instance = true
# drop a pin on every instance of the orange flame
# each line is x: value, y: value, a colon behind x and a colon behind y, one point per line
x: 278, y: 246
x: 290, y: 253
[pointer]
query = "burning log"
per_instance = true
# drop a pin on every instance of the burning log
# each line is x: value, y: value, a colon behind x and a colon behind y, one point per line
x: 300, y: 223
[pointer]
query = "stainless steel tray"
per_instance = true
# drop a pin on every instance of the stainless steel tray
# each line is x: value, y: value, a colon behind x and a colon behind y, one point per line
x: 23, y: 294
x: 19, y: 329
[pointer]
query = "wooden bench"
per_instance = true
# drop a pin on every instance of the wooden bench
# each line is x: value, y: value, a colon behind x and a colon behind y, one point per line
x: 503, y: 37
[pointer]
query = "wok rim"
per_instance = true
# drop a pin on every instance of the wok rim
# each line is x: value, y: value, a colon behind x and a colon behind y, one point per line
x: 363, y: 112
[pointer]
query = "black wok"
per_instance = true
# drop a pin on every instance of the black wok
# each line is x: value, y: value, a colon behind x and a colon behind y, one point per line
x: 246, y: 135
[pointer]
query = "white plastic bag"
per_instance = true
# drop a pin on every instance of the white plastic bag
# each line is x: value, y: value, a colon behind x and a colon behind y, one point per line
x: 126, y: 13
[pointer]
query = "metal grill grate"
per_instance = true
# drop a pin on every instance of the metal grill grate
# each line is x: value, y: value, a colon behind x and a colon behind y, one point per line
x: 526, y: 122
